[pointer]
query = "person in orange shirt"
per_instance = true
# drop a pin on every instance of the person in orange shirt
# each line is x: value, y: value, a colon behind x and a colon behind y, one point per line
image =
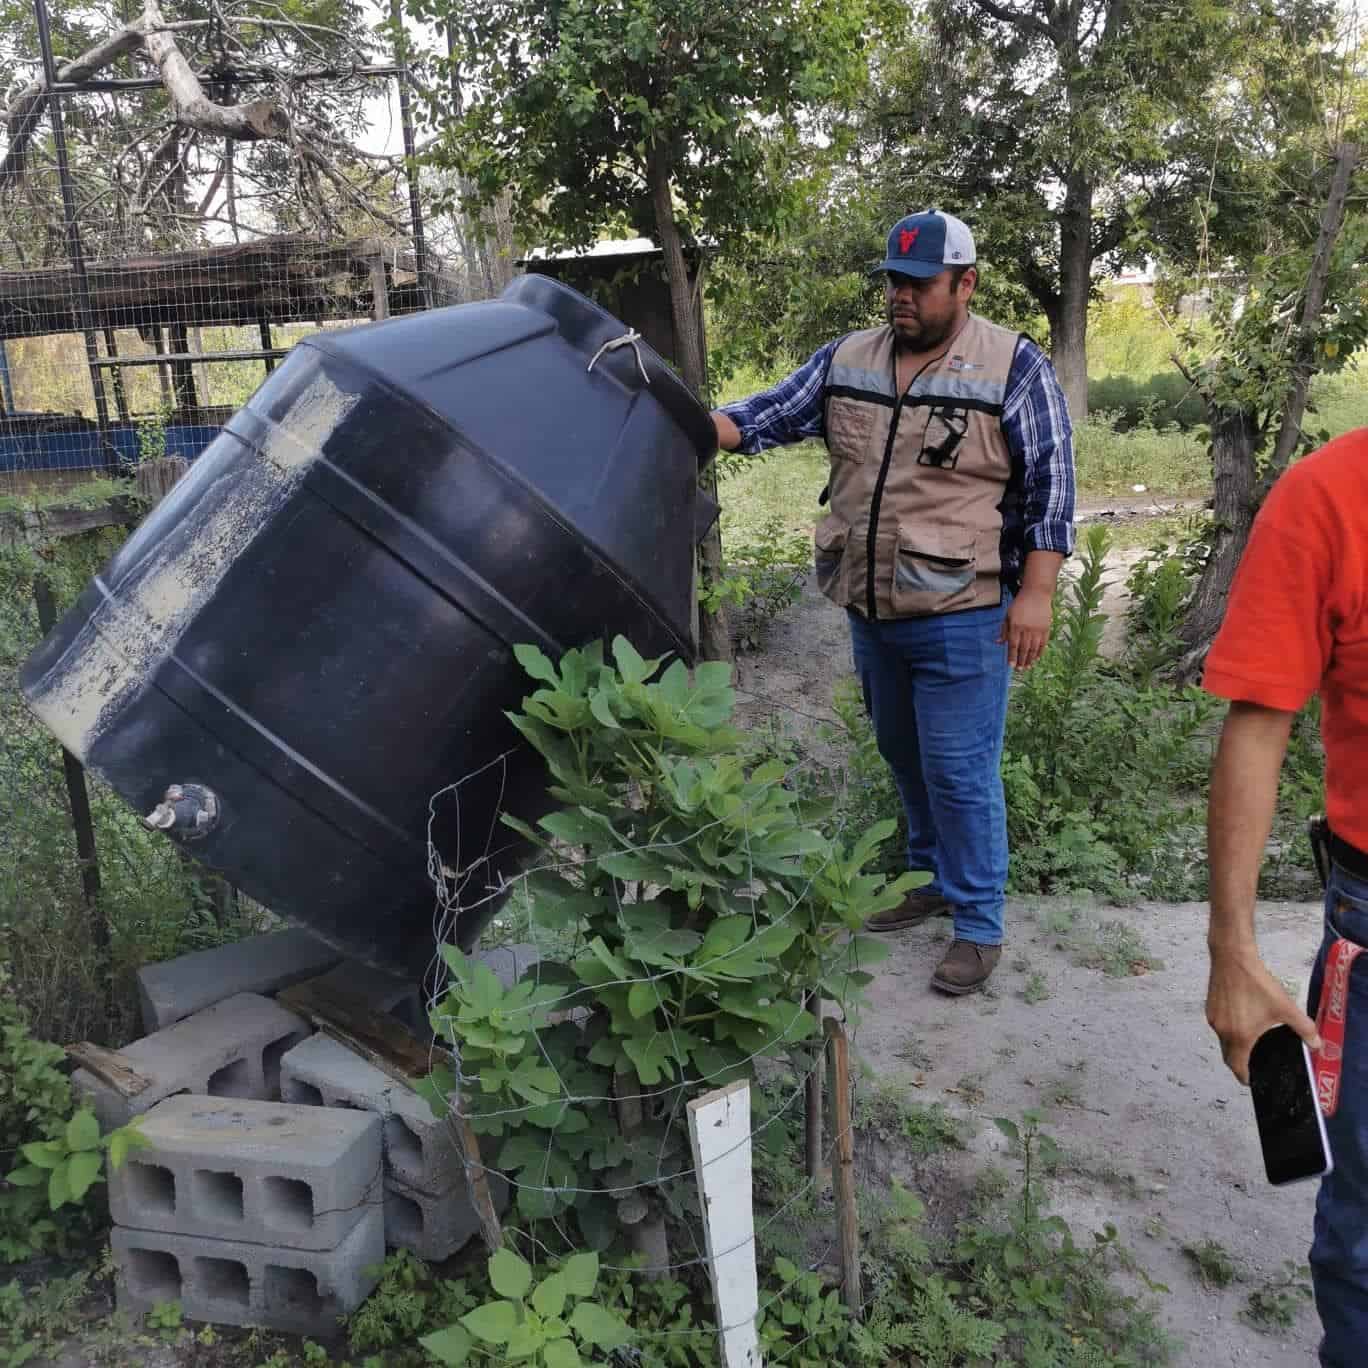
x: 1297, y: 625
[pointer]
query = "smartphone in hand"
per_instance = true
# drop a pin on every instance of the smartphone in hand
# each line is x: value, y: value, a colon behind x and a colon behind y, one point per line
x: 1291, y: 1127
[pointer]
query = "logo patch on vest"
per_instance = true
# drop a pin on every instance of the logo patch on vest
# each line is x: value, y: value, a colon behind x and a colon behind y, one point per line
x: 958, y: 363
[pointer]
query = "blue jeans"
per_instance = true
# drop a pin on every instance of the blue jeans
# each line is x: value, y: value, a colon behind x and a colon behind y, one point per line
x: 1339, y: 1249
x: 936, y: 691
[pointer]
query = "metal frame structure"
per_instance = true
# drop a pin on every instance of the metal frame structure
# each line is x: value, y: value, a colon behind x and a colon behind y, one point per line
x: 88, y: 321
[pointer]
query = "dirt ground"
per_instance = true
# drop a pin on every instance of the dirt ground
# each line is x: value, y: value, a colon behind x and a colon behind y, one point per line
x: 1159, y: 1137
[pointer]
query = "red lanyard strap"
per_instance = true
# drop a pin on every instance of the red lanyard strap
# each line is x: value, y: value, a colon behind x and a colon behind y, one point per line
x: 1331, y: 1016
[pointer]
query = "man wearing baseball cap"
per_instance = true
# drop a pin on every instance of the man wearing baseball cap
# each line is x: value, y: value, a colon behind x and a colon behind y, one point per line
x: 951, y: 501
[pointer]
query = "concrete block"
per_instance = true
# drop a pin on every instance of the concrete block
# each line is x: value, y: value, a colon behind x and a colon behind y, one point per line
x: 434, y: 1228
x: 265, y: 1172
x: 420, y: 1148
x: 232, y: 1049
x: 382, y: 992
x: 232, y: 1282
x: 178, y: 988
x: 509, y: 962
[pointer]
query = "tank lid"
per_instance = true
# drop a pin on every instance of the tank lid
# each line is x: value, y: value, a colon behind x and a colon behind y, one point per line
x: 588, y: 326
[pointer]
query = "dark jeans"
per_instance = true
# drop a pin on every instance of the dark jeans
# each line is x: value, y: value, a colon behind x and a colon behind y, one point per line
x: 1339, y: 1250
x: 936, y: 692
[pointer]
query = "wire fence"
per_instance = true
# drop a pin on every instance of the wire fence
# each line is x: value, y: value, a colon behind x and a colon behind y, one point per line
x: 153, y: 266
x: 459, y: 895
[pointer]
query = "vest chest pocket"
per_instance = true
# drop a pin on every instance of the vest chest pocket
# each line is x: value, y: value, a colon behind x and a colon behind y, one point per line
x: 830, y: 560
x: 849, y: 426
x: 934, y: 572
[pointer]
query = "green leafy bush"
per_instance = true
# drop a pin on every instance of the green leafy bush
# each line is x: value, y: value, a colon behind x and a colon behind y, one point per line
x: 703, y: 907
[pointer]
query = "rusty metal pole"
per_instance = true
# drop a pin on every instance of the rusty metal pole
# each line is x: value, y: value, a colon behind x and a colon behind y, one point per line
x: 73, y: 237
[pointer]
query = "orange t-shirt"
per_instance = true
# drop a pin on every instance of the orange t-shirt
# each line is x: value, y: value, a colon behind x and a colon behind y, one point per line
x: 1297, y: 621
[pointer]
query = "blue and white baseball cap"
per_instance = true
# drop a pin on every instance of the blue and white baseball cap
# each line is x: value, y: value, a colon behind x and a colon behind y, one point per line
x: 925, y: 244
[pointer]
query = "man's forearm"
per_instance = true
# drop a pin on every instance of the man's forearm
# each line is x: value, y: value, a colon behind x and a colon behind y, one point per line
x: 1244, y: 792
x: 728, y: 434
x: 1040, y: 572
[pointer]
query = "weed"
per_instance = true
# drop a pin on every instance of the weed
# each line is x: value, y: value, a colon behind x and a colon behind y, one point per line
x: 1213, y: 1263
x: 912, y: 1051
x: 1278, y: 1302
x: 1118, y: 950
x: 35, y: 1320
x: 764, y: 576
x: 1036, y: 989
x: 165, y: 1318
x: 925, y: 1128
x: 970, y: 1089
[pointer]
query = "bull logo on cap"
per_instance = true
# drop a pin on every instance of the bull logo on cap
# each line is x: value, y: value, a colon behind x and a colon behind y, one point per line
x: 906, y: 239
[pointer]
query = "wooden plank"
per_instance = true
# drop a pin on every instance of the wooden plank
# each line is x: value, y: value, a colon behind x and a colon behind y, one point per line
x: 34, y: 526
x: 847, y: 1215
x: 720, y: 1136
x: 477, y: 1179
x: 379, y: 288
x: 375, y: 1036
x: 110, y: 1067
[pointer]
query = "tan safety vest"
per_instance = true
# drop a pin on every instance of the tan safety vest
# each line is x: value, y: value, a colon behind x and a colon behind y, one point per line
x: 918, y: 481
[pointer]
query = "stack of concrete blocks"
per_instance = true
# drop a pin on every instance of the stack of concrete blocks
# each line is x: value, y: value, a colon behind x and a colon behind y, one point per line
x: 428, y: 1204
x: 250, y: 1213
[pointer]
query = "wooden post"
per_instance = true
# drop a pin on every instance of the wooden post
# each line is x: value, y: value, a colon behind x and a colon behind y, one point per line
x: 640, y: 1214
x: 491, y: 1231
x: 264, y: 330
x: 379, y: 287
x: 163, y: 375
x: 116, y: 377
x: 847, y: 1214
x: 719, y: 1133
x: 818, y: 1171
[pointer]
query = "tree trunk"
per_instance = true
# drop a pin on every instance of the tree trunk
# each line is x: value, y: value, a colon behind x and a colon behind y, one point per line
x: 1294, y: 406
x: 1069, y: 326
x: 1233, y: 439
x: 714, y: 637
x: 1239, y: 491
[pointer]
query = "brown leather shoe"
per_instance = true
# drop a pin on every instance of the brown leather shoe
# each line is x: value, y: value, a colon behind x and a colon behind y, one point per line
x: 966, y: 967
x: 914, y: 909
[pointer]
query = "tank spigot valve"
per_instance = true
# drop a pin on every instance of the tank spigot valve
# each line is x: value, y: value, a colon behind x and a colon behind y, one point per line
x: 189, y: 809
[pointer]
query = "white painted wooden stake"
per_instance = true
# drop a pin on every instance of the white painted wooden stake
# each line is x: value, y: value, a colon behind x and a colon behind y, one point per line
x: 720, y: 1133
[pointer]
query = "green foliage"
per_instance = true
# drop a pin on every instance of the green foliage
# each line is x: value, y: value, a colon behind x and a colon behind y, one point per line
x: 924, y: 1128
x: 1213, y: 1263
x: 1051, y: 1298
x: 1112, y: 459
x: 35, y: 1320
x: 867, y: 794
x: 762, y: 579
x: 1087, y: 746
x: 591, y: 108
x: 165, y: 1317
x: 47, y: 941
x: 802, y: 1322
x: 1276, y: 1305
x: 67, y: 1164
x: 547, y: 1322
x: 704, y: 906
x: 35, y: 1099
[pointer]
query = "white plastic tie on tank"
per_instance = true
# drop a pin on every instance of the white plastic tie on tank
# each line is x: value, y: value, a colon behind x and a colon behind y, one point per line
x: 631, y: 338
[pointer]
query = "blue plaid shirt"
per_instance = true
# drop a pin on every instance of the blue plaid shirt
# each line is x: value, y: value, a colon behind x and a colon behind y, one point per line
x: 1035, y: 422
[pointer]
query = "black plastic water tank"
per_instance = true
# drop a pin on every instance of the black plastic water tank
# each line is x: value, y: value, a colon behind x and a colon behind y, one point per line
x: 311, y: 633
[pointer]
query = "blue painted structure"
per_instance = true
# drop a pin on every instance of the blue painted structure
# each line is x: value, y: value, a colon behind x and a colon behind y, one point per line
x: 80, y: 448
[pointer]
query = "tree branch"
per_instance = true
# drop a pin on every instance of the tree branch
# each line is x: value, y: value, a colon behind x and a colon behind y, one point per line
x: 1026, y: 23
x: 246, y: 122
x: 26, y: 109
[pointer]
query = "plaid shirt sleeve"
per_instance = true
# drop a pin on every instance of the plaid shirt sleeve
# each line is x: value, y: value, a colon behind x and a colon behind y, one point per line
x: 1035, y: 421
x: 790, y: 412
